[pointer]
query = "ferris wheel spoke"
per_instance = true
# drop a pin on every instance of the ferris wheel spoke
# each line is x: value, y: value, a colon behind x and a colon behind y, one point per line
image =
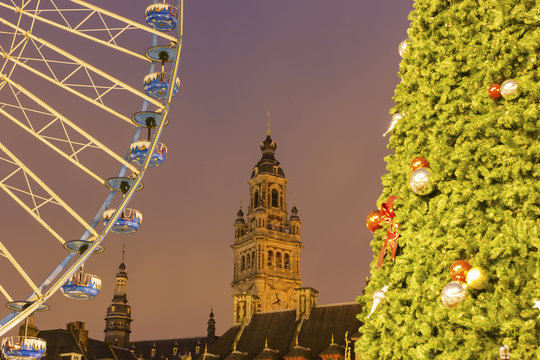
x: 72, y: 91
x: 79, y: 63
x: 124, y: 20
x: 21, y: 271
x: 63, y: 204
x: 56, y: 116
x: 4, y: 292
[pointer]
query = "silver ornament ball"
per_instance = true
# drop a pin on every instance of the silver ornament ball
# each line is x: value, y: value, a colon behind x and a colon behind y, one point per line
x: 453, y: 294
x: 510, y: 89
x: 504, y: 352
x: 403, y: 48
x: 419, y: 181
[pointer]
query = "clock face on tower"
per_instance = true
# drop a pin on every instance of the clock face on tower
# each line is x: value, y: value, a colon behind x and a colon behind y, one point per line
x: 278, y: 300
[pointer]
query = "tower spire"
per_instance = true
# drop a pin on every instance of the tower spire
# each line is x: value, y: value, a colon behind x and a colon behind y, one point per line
x: 268, y: 123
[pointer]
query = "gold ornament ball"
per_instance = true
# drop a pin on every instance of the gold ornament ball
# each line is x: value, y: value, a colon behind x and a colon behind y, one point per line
x: 402, y: 48
x: 510, y: 89
x: 477, y: 278
x: 453, y: 293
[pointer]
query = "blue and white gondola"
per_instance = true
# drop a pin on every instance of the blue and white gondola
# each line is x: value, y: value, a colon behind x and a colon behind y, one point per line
x: 139, y: 149
x: 156, y: 85
x: 82, y: 286
x: 23, y: 348
x: 129, y: 220
x: 162, y: 17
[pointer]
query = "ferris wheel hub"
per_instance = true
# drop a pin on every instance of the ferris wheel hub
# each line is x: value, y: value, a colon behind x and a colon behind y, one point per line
x: 161, y: 53
x: 148, y: 119
x: 120, y: 183
x: 80, y: 246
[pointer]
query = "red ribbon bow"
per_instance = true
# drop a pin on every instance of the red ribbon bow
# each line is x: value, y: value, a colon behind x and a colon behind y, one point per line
x: 392, y: 236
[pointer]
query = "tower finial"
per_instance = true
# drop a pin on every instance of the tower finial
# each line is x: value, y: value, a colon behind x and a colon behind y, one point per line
x: 123, y: 250
x: 332, y: 339
x: 266, y: 343
x: 268, y: 131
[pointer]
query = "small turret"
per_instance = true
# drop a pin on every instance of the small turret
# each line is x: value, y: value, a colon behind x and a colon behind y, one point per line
x: 239, y: 224
x: 294, y: 221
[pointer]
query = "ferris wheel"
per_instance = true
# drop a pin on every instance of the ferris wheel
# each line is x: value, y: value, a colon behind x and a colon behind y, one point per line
x: 84, y: 98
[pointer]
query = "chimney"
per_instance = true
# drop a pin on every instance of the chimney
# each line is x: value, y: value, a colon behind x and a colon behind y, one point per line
x: 244, y: 307
x: 306, y: 300
x: 28, y: 328
x: 79, y: 333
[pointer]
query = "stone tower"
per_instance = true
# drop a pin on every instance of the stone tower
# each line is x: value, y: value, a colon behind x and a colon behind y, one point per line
x: 266, y: 245
x: 118, y: 319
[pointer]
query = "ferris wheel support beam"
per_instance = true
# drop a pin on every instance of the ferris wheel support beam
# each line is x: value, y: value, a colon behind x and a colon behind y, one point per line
x: 32, y: 213
x: 47, y: 189
x: 82, y: 63
x: 75, y: 32
x: 67, y: 122
x: 49, y: 144
x: 21, y: 271
x: 123, y: 19
x: 74, y: 92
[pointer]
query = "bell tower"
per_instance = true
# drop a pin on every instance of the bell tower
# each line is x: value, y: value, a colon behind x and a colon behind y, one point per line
x: 118, y: 319
x: 267, y: 244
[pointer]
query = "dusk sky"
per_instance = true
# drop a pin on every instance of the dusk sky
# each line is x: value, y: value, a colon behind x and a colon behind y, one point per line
x: 326, y: 70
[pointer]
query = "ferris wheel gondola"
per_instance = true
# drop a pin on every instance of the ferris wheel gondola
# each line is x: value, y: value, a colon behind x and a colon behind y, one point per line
x: 129, y: 221
x: 82, y: 286
x: 24, y: 347
x: 162, y: 17
x: 139, y: 151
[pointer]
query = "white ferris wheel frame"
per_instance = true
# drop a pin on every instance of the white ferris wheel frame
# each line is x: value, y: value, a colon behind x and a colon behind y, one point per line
x: 63, y: 271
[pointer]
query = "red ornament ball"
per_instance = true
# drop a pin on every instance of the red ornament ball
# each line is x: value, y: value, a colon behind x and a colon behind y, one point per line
x: 419, y: 162
x: 373, y: 220
x: 459, y: 270
x: 495, y: 91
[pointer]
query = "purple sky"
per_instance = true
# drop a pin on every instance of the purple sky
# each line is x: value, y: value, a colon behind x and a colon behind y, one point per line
x: 327, y: 71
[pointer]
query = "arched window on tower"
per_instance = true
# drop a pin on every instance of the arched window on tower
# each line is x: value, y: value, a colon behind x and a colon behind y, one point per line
x: 253, y: 261
x: 248, y: 261
x: 243, y: 263
x: 256, y: 199
x: 270, y: 258
x: 286, y: 262
x: 275, y: 198
x: 279, y: 264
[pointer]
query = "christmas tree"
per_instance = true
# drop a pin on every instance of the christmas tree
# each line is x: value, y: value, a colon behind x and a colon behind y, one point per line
x: 462, y: 190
